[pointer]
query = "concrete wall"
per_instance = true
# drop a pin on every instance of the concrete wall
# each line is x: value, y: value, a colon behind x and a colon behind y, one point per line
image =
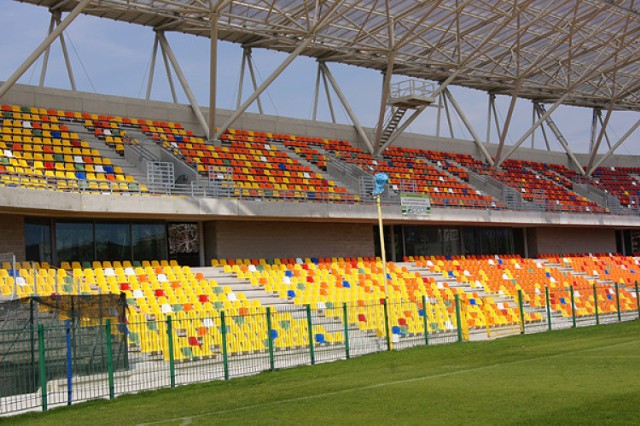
x: 12, y: 235
x: 287, y: 239
x: 573, y: 240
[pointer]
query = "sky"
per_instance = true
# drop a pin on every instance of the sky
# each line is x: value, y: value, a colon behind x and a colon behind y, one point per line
x: 114, y: 58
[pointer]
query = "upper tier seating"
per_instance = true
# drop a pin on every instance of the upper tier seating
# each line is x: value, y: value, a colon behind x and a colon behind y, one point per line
x: 37, y: 150
x: 623, y: 182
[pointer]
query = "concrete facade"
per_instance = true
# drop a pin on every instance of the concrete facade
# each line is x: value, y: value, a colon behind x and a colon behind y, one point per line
x: 256, y: 239
x: 12, y: 235
x: 574, y: 240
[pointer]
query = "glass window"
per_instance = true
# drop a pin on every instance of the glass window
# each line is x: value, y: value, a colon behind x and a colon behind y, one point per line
x: 113, y: 241
x: 37, y: 236
x: 149, y: 241
x: 74, y: 241
x: 450, y: 241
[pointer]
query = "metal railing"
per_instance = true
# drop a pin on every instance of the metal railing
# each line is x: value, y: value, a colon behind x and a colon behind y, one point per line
x: 234, y: 190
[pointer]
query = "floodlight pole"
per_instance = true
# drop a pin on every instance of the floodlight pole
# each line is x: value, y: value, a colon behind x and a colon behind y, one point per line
x: 382, y: 247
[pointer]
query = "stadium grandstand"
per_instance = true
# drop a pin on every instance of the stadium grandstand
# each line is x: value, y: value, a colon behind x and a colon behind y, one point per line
x: 238, y: 241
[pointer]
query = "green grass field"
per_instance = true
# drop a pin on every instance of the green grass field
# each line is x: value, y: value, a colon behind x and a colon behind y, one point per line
x: 578, y: 376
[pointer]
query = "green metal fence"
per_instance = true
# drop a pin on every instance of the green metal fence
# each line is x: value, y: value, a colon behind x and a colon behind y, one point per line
x: 51, y: 365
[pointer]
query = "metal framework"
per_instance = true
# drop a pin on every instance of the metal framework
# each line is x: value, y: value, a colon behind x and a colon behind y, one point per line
x: 556, y: 52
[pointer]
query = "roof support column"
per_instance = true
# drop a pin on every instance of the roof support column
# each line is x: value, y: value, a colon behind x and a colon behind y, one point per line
x: 167, y: 68
x: 296, y: 52
x: 492, y: 101
x: 606, y: 134
x: 213, y: 70
x: 469, y: 127
x: 598, y: 141
x: 507, y: 121
x: 45, y: 60
x: 321, y: 75
x: 347, y: 107
x: 438, y: 114
x: 594, y: 128
x: 183, y: 82
x: 152, y: 69
x: 252, y: 74
x: 614, y: 147
x: 533, y: 128
x: 561, y: 139
x: 65, y: 53
x: 42, y: 47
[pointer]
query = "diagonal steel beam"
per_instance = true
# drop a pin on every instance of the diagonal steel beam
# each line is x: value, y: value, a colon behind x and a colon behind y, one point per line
x: 469, y: 127
x: 45, y: 60
x: 42, y: 47
x: 345, y: 104
x: 238, y: 112
x: 563, y: 142
x: 184, y: 83
x: 603, y: 131
x: 535, y: 125
x: 152, y: 69
x: 614, y: 147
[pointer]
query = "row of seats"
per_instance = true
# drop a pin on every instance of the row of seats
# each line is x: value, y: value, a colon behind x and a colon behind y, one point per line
x: 623, y: 182
x: 39, y: 151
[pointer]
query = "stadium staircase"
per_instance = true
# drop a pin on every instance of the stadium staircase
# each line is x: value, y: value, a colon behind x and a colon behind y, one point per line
x: 475, y: 334
x: 360, y: 341
x: 303, y: 161
x: 107, y: 152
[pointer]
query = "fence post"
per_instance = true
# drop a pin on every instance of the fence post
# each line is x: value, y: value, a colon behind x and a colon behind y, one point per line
x: 310, y: 327
x: 521, y: 307
x: 67, y: 326
x: 595, y: 298
x: 425, y: 320
x: 573, y: 307
x: 618, y: 302
x: 270, y: 340
x: 345, y: 319
x: 225, y: 355
x: 107, y: 329
x: 42, y: 362
x: 386, y: 324
x: 637, y: 299
x: 546, y: 296
x: 172, y: 363
x: 32, y: 340
x: 458, y: 316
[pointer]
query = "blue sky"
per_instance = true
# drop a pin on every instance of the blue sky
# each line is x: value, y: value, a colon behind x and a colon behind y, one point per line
x: 113, y: 58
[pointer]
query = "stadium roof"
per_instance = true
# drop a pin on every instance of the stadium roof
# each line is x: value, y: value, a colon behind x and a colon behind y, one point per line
x: 578, y: 52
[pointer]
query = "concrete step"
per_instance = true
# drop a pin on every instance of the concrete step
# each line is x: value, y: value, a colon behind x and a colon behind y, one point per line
x: 241, y: 286
x: 108, y: 152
